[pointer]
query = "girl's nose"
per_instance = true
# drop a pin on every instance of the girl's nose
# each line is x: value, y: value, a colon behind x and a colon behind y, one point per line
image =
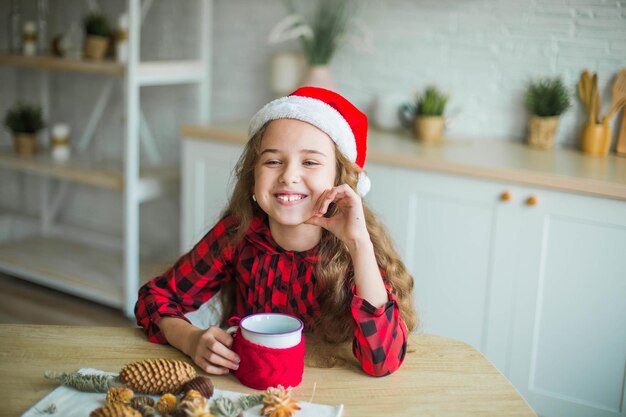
x: 289, y: 176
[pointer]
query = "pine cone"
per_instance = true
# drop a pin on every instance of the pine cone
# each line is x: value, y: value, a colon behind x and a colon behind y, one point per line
x: 278, y: 402
x: 136, y: 402
x: 115, y: 410
x: 157, y: 376
x: 146, y: 410
x: 119, y: 395
x: 166, y: 404
x: 202, y: 384
x: 193, y: 403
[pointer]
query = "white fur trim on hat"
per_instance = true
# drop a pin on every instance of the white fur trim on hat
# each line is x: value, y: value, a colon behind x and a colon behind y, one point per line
x: 312, y: 111
x: 363, y: 184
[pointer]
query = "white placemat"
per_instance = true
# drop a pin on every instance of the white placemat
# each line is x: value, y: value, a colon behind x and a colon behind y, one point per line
x: 72, y: 403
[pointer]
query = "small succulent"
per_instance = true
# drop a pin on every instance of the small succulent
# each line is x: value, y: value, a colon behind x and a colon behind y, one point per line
x: 547, y: 97
x: 24, y: 118
x: 432, y: 103
x: 97, y: 24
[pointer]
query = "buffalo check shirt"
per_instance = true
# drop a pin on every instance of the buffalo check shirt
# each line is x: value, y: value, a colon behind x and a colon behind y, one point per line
x: 267, y: 279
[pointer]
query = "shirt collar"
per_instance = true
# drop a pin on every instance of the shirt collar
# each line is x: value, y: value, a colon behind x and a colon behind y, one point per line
x: 260, y: 235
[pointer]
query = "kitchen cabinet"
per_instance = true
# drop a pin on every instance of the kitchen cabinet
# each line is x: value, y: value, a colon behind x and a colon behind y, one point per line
x: 535, y: 279
x: 533, y: 276
x: 90, y: 264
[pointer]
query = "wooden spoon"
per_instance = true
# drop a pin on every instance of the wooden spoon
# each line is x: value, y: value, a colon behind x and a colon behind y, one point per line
x: 591, y: 109
x: 619, y: 95
x: 584, y: 88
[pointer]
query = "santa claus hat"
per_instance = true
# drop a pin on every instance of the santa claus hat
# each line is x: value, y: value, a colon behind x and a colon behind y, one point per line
x: 328, y: 111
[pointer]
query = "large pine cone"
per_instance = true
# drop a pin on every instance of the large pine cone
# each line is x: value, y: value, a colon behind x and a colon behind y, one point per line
x: 115, y: 410
x: 157, y: 376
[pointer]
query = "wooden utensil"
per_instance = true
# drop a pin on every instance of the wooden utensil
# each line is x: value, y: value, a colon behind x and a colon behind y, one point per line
x: 619, y: 95
x: 591, y: 110
x: 584, y: 88
x: 620, y: 149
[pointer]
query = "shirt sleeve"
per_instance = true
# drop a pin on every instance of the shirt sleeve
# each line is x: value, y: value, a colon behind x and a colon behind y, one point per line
x: 190, y: 282
x: 380, y: 336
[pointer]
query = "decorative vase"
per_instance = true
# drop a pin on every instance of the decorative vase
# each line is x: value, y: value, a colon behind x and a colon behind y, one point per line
x: 596, y: 139
x: 95, y: 47
x: 429, y: 129
x: 25, y: 144
x: 542, y: 130
x: 287, y: 69
x: 320, y: 76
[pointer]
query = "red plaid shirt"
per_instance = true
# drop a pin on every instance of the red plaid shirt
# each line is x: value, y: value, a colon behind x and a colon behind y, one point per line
x: 268, y: 279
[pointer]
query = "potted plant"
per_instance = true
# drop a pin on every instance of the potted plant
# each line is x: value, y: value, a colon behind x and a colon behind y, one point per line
x: 545, y: 100
x: 429, y: 120
x: 320, y: 38
x: 97, y: 35
x: 24, y: 121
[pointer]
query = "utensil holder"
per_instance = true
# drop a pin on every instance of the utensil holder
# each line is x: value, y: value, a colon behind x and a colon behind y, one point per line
x: 596, y: 139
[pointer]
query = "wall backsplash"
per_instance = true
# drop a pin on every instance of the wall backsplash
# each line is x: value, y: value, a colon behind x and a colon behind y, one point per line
x: 482, y: 52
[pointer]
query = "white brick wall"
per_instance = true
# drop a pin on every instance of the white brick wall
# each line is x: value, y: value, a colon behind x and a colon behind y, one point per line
x: 483, y: 52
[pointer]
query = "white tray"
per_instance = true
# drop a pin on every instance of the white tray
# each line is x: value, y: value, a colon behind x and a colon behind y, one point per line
x: 72, y: 403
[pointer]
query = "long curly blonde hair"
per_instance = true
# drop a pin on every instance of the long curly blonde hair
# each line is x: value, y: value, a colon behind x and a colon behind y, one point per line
x: 333, y: 278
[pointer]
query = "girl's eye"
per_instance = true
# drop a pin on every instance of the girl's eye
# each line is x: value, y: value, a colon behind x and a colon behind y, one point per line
x: 271, y: 162
x: 310, y: 163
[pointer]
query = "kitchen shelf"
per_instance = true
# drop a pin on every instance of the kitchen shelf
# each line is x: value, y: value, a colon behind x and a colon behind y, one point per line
x: 63, y: 64
x: 85, y: 271
x: 101, y: 174
x: 76, y: 268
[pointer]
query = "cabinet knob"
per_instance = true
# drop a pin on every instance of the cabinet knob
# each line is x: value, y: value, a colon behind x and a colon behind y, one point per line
x: 505, y: 196
x: 532, y: 200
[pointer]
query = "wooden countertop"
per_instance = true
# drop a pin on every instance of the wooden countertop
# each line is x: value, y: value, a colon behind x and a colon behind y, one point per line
x: 561, y: 168
x: 440, y: 376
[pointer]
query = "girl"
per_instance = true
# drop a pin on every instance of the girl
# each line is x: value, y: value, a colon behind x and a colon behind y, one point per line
x: 295, y: 238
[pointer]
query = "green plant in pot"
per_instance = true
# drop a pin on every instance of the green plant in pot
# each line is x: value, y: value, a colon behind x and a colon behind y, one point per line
x: 546, y: 99
x: 24, y: 121
x: 320, y: 36
x: 429, y: 118
x: 97, y: 35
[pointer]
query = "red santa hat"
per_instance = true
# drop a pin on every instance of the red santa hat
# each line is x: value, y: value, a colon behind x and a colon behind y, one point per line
x: 328, y: 111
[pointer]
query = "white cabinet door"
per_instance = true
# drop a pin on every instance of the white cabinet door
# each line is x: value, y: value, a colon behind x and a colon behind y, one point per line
x: 445, y: 227
x: 568, y: 346
x: 207, y: 182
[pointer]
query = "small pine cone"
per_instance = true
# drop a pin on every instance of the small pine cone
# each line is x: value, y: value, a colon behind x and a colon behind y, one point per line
x: 115, y: 410
x: 278, y: 402
x: 136, y: 402
x: 202, y: 384
x: 119, y: 395
x: 157, y: 376
x: 146, y: 410
x: 166, y: 404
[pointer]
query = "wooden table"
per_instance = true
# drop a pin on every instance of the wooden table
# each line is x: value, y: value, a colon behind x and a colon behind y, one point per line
x: 440, y: 376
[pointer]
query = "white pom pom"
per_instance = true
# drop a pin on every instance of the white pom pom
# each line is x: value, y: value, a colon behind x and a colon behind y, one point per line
x: 364, y: 184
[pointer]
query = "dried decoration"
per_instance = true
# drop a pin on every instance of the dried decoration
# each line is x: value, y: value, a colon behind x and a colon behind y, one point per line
x: 50, y: 409
x: 157, y: 376
x: 202, y: 384
x: 119, y: 395
x: 193, y: 403
x: 83, y: 382
x: 224, y: 407
x: 277, y: 402
x: 146, y: 410
x: 115, y: 410
x: 166, y: 404
x: 136, y: 402
x: 250, y: 401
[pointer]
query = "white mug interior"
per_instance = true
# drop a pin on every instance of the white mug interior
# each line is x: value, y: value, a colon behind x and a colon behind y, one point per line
x: 274, y: 330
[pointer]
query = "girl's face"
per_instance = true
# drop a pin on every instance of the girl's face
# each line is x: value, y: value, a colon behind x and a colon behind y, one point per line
x: 296, y: 164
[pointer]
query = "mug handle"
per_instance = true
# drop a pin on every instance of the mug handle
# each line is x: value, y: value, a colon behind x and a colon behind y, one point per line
x: 234, y: 324
x: 406, y: 114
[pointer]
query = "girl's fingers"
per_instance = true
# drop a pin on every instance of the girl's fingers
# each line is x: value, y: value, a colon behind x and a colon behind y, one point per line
x: 209, y: 368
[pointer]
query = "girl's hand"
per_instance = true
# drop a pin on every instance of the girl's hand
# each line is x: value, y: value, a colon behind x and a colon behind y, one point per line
x: 348, y: 224
x: 210, y: 350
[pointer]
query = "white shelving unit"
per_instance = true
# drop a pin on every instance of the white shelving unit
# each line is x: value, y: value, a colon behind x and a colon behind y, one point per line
x: 87, y: 264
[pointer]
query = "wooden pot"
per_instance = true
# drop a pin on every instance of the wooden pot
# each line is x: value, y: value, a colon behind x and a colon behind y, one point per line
x: 95, y: 47
x: 596, y: 139
x: 542, y: 130
x: 25, y: 144
x: 429, y: 129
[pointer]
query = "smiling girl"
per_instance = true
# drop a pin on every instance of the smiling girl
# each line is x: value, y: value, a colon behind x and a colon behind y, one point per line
x: 295, y: 238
